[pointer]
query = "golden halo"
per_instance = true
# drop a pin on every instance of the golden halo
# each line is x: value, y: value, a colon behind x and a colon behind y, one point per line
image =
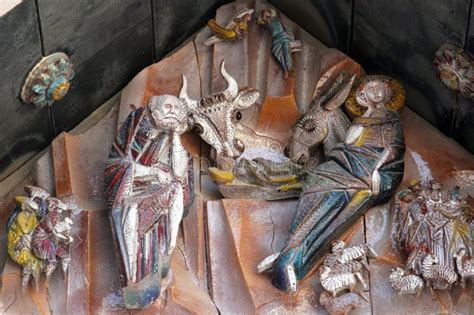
x: 396, y: 102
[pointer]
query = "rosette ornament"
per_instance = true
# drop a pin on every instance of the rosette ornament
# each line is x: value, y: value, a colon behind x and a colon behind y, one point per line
x: 455, y: 68
x: 48, y: 81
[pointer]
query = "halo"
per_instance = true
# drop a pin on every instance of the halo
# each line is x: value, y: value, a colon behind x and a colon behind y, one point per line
x: 396, y: 101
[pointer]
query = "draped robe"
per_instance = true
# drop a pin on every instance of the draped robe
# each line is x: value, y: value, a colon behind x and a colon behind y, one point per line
x: 339, y: 191
x: 140, y: 197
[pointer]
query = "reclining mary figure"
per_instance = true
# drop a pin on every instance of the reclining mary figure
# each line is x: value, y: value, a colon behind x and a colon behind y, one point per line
x: 363, y: 171
x: 148, y: 186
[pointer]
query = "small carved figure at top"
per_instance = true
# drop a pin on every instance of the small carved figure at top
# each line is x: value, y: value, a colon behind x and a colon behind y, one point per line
x: 283, y: 41
x: 39, y: 234
x: 360, y: 173
x: 215, y: 117
x: 455, y: 68
x: 236, y: 29
x: 433, y: 226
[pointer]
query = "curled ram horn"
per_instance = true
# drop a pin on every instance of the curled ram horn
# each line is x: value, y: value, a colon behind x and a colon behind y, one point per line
x: 232, y: 87
x: 183, y: 94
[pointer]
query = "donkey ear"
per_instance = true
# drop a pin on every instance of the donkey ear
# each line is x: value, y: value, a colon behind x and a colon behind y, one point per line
x: 246, y: 98
x: 338, y: 92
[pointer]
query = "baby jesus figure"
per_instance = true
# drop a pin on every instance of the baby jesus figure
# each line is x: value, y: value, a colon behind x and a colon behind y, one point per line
x: 148, y: 188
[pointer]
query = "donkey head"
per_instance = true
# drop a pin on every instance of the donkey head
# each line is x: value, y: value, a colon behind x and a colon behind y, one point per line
x: 324, y: 122
x: 215, y: 117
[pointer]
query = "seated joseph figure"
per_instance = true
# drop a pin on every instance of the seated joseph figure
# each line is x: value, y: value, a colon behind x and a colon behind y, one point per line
x: 148, y: 188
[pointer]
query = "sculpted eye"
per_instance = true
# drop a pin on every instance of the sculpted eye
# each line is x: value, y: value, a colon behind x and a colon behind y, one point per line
x: 309, y: 125
x: 198, y: 129
x: 237, y: 115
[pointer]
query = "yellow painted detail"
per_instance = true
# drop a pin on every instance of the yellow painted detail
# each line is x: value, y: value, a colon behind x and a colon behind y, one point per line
x: 61, y: 90
x: 220, y: 31
x: 283, y: 179
x: 291, y: 186
x: 20, y: 199
x: 363, y: 137
x: 359, y: 197
x: 22, y: 227
x: 396, y: 102
x: 220, y: 176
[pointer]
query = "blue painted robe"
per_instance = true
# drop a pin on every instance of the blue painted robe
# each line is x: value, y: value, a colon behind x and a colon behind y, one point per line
x: 339, y: 191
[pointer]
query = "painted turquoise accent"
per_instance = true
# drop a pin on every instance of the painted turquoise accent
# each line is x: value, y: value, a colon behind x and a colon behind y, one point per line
x: 60, y: 80
x: 49, y: 80
x: 281, y: 44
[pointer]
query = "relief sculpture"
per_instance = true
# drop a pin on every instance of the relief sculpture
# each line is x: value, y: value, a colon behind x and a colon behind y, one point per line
x: 148, y: 180
x: 148, y: 187
x: 39, y: 235
x: 433, y: 226
x: 363, y: 171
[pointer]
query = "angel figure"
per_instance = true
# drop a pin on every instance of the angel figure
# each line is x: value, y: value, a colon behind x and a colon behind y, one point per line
x: 148, y: 188
x: 236, y: 29
x: 283, y: 41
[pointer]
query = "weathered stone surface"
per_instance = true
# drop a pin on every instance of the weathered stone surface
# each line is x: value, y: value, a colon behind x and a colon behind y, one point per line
x: 78, y: 278
x: 463, y: 127
x: 328, y: 21
x: 226, y: 283
x: 82, y: 28
x: 83, y: 176
x: 175, y: 21
x: 24, y: 129
x: 101, y: 76
x: 402, y: 41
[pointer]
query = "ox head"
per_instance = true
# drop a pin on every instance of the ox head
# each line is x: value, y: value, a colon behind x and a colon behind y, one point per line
x: 215, y: 117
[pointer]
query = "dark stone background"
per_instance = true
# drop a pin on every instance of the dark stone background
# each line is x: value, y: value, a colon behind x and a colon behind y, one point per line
x: 110, y: 41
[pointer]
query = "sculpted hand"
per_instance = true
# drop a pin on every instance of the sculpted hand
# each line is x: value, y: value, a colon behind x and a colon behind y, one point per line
x: 163, y: 176
x: 376, y: 182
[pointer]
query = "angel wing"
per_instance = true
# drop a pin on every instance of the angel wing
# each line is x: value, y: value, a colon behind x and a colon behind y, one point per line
x: 229, y: 26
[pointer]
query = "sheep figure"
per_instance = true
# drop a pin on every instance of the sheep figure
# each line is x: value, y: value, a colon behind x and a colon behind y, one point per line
x: 333, y: 263
x: 340, y: 305
x: 359, y: 251
x: 405, y: 284
x: 441, y: 276
x: 464, y: 265
x: 337, y: 282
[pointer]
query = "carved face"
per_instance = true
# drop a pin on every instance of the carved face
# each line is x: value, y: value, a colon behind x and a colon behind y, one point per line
x: 62, y: 230
x: 215, y: 118
x: 168, y: 113
x: 372, y: 93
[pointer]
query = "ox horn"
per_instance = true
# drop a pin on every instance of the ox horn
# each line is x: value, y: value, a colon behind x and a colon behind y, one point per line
x: 183, y: 93
x: 232, y: 87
